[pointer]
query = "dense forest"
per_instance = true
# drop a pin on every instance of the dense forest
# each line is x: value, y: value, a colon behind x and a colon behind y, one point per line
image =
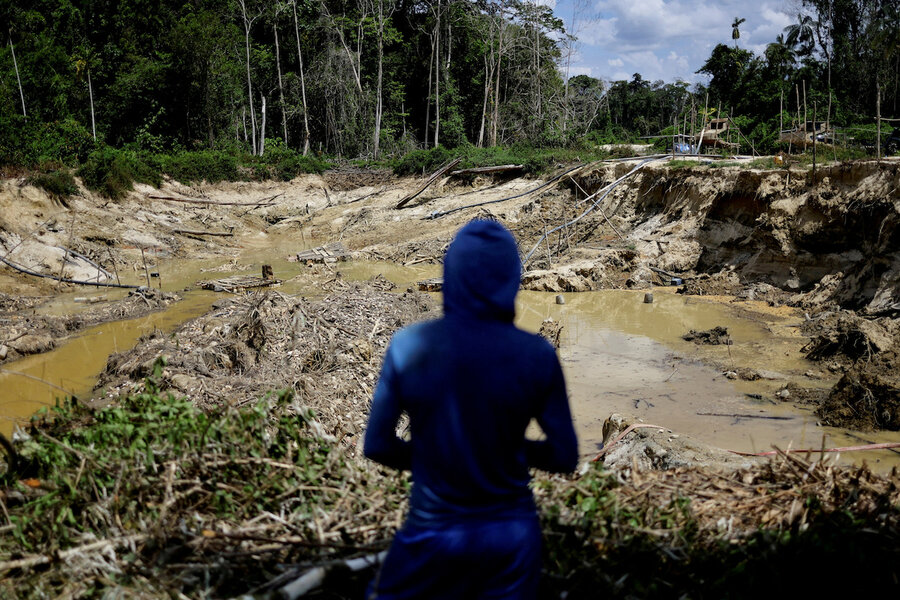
x: 380, y: 78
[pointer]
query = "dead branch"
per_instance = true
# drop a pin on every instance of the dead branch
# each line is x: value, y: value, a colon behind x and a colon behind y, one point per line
x: 381, y: 190
x: 196, y: 232
x: 33, y: 561
x: 261, y: 202
x: 22, y: 269
x: 434, y: 177
x: 494, y: 169
x: 744, y: 416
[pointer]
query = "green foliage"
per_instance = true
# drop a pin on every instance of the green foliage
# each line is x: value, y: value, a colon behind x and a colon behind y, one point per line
x: 208, y: 165
x: 59, y: 183
x: 29, y: 143
x: 419, y: 162
x: 112, y: 173
x: 285, y: 163
x: 117, y: 458
x: 535, y: 161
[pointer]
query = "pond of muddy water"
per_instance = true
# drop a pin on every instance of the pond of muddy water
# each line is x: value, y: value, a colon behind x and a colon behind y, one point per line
x: 619, y: 355
x: 73, y: 368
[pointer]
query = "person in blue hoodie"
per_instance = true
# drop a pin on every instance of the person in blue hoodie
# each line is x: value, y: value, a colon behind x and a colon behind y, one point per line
x: 470, y: 382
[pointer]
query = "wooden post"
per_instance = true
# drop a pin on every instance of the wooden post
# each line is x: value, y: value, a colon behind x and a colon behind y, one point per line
x: 18, y: 79
x: 805, y: 114
x: 693, y: 117
x: 146, y: 271
x: 878, y: 119
x: 780, y: 114
x: 115, y: 268
x: 815, y: 105
x: 674, y: 132
x: 703, y: 127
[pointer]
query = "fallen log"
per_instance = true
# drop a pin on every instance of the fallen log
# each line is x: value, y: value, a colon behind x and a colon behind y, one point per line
x: 383, y: 189
x: 22, y: 269
x: 261, y: 202
x: 434, y: 177
x: 494, y: 169
x: 546, y: 184
x: 195, y: 232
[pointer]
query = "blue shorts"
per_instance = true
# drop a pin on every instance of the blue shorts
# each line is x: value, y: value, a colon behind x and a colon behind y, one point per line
x: 481, y: 559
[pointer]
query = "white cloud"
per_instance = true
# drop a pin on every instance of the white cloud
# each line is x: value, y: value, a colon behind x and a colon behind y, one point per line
x: 576, y: 70
x: 669, y: 39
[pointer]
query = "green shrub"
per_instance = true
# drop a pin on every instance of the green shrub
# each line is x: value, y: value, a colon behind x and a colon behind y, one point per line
x: 208, y: 165
x: 67, y: 141
x: 58, y: 183
x: 112, y: 172
x: 422, y: 161
x: 28, y: 143
x: 287, y: 164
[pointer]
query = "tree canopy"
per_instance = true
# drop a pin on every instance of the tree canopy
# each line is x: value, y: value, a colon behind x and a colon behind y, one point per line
x: 368, y: 78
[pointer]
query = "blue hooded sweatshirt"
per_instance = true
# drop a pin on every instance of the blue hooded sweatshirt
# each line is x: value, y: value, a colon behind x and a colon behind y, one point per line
x: 471, y: 382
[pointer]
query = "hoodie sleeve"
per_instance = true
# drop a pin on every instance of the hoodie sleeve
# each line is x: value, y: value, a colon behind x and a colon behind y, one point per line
x: 381, y: 442
x: 558, y: 452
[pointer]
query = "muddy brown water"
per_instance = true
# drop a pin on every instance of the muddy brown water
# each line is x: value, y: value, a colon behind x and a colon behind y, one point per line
x: 619, y: 355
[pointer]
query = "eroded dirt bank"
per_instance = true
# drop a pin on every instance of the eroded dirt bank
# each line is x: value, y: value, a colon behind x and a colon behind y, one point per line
x: 826, y: 244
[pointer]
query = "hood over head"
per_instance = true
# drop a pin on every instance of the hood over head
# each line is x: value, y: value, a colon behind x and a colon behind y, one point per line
x: 482, y: 272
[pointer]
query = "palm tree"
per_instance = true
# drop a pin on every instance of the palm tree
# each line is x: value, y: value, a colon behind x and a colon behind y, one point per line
x: 735, y: 32
x: 801, y: 35
x: 781, y: 56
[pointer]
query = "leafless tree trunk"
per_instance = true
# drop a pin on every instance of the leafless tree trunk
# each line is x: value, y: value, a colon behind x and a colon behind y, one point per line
x: 248, y: 23
x: 280, y: 85
x: 18, y: 79
x: 428, y: 100
x: 437, y: 76
x: 262, y: 129
x: 496, y: 108
x: 354, y: 58
x: 379, y: 100
x: 91, y: 96
x: 302, y: 85
x: 488, y: 78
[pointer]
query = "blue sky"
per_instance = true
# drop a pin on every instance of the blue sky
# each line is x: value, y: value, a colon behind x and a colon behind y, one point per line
x: 665, y: 39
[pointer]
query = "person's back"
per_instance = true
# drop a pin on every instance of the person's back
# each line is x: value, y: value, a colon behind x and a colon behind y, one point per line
x: 470, y: 382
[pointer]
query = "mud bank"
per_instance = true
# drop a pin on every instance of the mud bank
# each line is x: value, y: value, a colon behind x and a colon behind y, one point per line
x: 831, y: 238
x: 269, y: 489
x: 780, y: 238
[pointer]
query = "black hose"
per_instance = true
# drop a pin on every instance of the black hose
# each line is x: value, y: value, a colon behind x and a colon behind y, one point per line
x: 22, y: 269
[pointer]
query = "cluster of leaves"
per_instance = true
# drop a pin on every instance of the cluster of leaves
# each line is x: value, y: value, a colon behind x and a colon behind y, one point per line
x: 157, y: 466
x: 56, y: 181
x: 116, y: 461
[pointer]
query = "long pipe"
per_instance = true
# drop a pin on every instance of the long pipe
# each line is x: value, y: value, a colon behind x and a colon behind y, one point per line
x: 22, y: 269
